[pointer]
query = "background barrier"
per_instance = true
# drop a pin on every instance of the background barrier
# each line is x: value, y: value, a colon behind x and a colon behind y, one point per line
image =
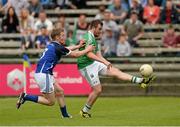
x: 11, y: 80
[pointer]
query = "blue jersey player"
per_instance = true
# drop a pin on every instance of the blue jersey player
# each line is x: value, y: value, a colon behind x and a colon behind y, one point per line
x: 44, y: 72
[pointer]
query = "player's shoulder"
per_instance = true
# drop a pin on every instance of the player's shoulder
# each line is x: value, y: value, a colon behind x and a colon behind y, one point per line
x: 53, y: 45
x: 86, y: 35
x: 89, y: 37
x: 58, y: 47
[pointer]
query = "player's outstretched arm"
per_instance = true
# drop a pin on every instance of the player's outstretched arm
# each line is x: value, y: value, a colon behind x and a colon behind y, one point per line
x: 83, y: 52
x: 97, y: 58
x: 74, y: 47
x: 98, y: 54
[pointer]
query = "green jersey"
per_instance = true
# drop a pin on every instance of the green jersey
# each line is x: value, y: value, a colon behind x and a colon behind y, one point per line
x: 84, y: 61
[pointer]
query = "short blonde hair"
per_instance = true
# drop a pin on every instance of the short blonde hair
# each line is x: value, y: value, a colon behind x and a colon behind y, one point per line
x: 56, y: 32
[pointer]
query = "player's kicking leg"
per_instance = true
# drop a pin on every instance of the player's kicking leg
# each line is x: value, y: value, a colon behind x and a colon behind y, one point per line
x: 143, y: 82
x: 61, y: 101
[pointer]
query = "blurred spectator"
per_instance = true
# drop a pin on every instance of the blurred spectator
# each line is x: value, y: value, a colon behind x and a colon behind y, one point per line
x: 124, y: 4
x: 108, y: 22
x: 142, y: 2
x: 48, y: 4
x: 160, y: 3
x: 10, y: 23
x: 119, y: 13
x: 43, y: 40
x: 69, y: 39
x: 26, y: 28
x: 43, y: 21
x: 63, y: 4
x: 151, y: 13
x: 78, y: 4
x: 35, y: 7
x: 2, y: 7
x: 18, y: 5
x: 178, y: 41
x: 123, y: 47
x: 2, y: 11
x: 3, y: 2
x: 81, y: 27
x: 134, y: 29
x: 169, y: 14
x: 136, y: 6
x: 178, y: 8
x: 61, y: 23
x: 109, y: 43
x: 170, y: 38
x: 100, y: 15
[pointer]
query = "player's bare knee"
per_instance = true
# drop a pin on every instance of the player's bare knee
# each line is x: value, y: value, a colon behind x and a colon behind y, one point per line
x: 51, y: 103
x: 60, y: 92
x: 115, y: 71
x: 112, y: 71
x: 98, y: 90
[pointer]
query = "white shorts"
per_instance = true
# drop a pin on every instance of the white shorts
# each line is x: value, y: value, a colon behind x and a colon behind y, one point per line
x: 45, y: 82
x: 91, y: 72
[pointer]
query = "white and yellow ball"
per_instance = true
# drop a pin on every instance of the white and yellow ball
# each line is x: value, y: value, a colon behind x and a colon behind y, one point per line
x: 146, y: 70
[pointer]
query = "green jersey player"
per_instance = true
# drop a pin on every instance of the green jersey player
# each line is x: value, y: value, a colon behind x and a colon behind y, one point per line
x: 92, y: 64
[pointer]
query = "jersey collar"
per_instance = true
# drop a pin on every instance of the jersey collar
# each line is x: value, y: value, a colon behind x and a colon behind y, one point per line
x: 56, y: 42
x: 91, y: 33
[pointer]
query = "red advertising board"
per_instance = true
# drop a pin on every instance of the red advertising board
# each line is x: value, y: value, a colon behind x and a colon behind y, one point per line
x: 67, y: 76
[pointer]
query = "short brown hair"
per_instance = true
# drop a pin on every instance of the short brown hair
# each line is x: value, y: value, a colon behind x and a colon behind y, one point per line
x: 95, y: 23
x: 56, y: 32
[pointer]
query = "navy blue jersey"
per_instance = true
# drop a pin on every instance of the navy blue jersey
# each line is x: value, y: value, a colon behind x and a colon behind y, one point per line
x: 50, y: 57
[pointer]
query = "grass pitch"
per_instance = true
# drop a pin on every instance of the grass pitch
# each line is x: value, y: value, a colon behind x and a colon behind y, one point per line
x: 107, y: 111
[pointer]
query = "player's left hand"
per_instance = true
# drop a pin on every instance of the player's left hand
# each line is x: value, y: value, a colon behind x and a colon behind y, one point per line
x: 82, y: 43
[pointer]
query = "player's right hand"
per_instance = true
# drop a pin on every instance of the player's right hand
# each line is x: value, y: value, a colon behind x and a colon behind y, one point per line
x: 109, y: 65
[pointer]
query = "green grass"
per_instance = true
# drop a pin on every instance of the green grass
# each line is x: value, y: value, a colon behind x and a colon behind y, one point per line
x: 125, y: 111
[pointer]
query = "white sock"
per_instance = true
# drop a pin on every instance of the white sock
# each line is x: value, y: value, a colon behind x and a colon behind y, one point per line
x: 86, y: 108
x: 136, y: 79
